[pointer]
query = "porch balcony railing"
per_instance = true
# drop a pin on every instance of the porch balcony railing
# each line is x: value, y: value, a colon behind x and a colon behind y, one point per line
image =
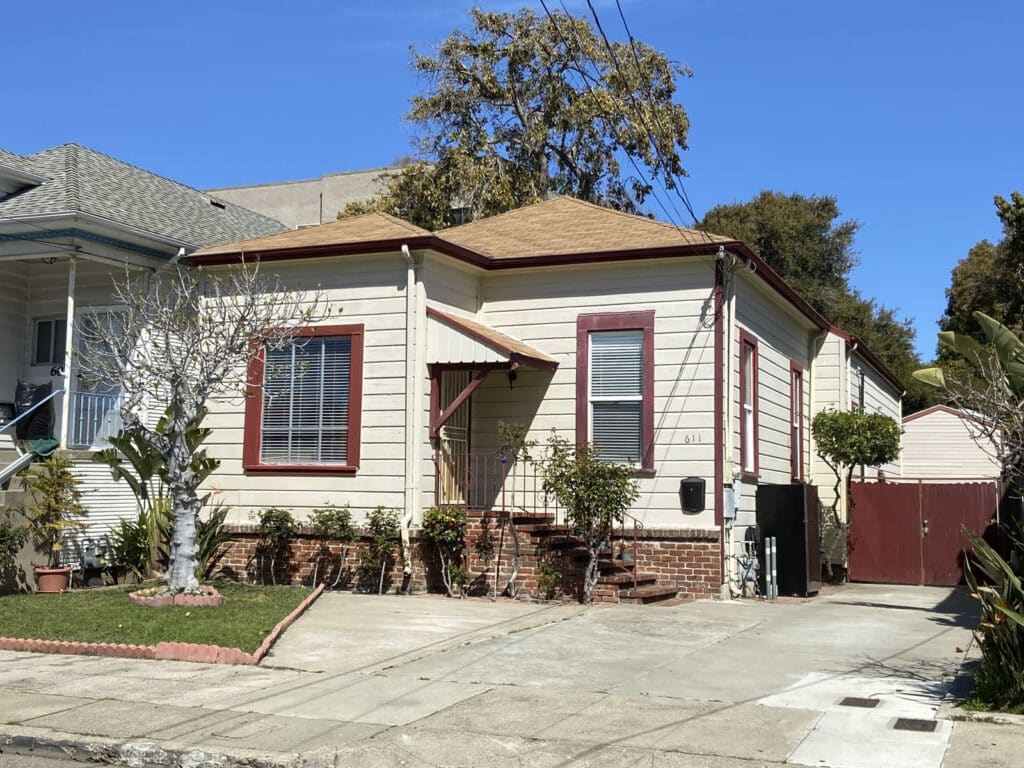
x: 94, y: 418
x: 485, y: 481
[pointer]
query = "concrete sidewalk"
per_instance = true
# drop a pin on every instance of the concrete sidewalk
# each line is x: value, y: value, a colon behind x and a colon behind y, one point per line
x: 425, y: 681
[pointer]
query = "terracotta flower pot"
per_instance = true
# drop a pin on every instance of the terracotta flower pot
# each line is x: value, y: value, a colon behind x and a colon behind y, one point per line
x: 53, y: 579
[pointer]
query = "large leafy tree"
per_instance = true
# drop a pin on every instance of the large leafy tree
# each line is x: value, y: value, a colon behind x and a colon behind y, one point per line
x: 804, y: 240
x: 523, y: 105
x: 990, y: 279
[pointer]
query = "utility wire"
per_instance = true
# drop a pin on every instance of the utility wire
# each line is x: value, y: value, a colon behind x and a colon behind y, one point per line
x: 589, y: 81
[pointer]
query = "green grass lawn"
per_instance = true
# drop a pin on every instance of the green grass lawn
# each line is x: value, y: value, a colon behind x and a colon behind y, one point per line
x: 106, y: 616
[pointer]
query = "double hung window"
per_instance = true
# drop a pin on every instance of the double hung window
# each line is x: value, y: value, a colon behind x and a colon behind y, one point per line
x: 615, y: 386
x: 748, y: 404
x: 305, y: 408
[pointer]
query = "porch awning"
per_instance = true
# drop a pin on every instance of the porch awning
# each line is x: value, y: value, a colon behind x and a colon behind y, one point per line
x: 453, y: 340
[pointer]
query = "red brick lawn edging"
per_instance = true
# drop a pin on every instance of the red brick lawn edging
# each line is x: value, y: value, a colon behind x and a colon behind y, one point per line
x: 195, y: 652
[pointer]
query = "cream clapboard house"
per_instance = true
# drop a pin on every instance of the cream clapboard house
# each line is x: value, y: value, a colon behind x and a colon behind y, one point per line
x: 73, y: 220
x: 675, y: 349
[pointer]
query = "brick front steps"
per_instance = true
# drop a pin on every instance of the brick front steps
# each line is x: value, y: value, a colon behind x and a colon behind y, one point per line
x: 672, y: 563
x: 194, y: 652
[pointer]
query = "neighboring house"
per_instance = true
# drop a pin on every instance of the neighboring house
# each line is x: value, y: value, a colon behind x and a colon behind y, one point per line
x: 307, y: 202
x: 675, y: 349
x: 851, y: 376
x: 71, y: 221
x: 942, y: 443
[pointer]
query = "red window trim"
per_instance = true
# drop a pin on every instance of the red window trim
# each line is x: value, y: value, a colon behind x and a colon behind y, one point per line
x: 796, y: 401
x: 748, y: 339
x: 617, y: 321
x: 254, y: 409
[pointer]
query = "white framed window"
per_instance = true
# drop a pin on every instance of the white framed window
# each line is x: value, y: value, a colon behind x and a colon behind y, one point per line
x: 616, y: 396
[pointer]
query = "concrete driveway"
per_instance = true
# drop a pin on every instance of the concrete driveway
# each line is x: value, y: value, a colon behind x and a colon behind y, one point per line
x: 425, y: 681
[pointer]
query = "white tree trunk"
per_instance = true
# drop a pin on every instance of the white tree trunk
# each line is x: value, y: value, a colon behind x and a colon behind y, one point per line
x: 181, y: 568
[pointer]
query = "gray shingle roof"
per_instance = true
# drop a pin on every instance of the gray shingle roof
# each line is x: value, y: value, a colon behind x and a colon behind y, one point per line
x: 83, y: 180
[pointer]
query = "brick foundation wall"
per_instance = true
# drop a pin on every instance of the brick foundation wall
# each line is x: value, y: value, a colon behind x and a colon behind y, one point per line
x: 685, y: 559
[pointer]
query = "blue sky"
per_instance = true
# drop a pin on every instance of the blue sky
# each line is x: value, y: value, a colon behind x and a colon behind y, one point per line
x: 909, y: 112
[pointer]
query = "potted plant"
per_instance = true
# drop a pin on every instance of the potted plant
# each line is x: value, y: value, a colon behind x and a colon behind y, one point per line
x: 56, y: 508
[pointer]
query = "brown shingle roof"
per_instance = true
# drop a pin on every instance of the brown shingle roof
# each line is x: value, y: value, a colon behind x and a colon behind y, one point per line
x: 368, y: 228
x: 564, y: 225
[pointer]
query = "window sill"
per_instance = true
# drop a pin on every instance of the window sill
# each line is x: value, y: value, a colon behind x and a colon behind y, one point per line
x: 300, y: 469
x: 645, y: 472
x: 750, y: 477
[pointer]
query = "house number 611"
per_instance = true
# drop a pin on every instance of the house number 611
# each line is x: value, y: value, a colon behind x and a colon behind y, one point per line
x: 692, y: 438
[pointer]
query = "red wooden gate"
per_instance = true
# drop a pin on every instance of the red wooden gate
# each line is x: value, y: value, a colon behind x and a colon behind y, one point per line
x: 910, y: 533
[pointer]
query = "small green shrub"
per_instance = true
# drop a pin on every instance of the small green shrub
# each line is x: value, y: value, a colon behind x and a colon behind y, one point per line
x: 277, y: 529
x: 12, y: 538
x: 376, y: 558
x: 330, y: 525
x: 446, y: 527
x: 129, y: 544
x: 548, y: 579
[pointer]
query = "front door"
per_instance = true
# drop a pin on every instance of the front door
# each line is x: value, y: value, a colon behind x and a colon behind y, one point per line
x: 453, y: 478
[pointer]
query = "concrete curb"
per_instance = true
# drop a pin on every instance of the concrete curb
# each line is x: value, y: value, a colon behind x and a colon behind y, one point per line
x: 138, y: 754
x: 193, y: 652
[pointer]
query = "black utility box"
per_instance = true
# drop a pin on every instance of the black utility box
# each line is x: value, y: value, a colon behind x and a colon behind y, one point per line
x: 790, y: 514
x: 691, y: 494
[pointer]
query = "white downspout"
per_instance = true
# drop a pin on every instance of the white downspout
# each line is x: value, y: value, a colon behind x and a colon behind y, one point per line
x: 65, y: 417
x: 412, y: 403
x: 730, y: 467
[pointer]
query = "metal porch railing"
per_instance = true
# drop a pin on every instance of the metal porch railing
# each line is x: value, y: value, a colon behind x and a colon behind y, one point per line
x: 23, y: 458
x: 94, y: 418
x: 506, y: 485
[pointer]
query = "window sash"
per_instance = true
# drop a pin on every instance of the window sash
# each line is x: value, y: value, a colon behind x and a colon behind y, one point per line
x: 306, y: 402
x: 748, y: 376
x: 796, y: 427
x: 48, y: 341
x: 616, y: 394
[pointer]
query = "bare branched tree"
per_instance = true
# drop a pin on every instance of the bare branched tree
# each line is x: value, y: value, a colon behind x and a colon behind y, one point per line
x: 182, y: 336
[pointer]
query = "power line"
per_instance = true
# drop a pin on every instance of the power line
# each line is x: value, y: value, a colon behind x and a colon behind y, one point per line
x: 589, y: 82
x: 676, y: 182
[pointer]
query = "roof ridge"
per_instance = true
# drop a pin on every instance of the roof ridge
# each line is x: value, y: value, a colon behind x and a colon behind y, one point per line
x: 71, y: 181
x: 75, y: 147
x: 711, y: 236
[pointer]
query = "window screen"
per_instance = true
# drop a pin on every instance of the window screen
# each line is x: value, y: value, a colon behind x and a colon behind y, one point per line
x: 616, y: 394
x: 306, y: 395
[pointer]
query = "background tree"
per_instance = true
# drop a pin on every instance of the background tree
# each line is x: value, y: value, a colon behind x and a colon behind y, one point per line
x: 184, y: 338
x: 524, y: 105
x: 803, y: 239
x: 990, y: 279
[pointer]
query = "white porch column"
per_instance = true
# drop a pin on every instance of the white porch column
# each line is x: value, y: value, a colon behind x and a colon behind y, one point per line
x: 65, y: 417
